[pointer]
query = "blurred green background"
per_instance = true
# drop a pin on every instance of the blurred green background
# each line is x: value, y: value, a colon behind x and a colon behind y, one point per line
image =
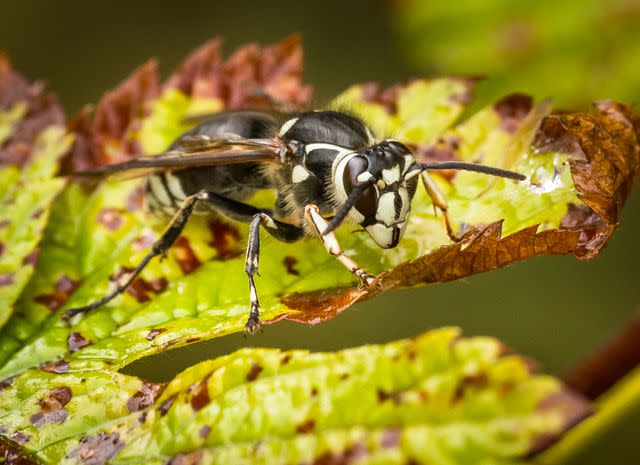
x: 554, y: 309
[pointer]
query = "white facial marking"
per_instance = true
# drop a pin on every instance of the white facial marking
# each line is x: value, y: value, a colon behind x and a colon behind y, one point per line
x: 299, y: 174
x: 286, y: 126
x: 382, y: 235
x: 406, y: 203
x: 396, y: 173
x: 387, y: 176
x: 408, y: 161
x: 381, y: 184
x: 364, y: 176
x: 386, y: 211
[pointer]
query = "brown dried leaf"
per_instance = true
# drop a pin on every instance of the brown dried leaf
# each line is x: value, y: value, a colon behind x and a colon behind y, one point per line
x: 247, y: 77
x: 42, y: 111
x: 253, y: 76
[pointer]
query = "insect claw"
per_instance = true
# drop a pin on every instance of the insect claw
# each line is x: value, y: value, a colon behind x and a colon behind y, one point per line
x: 367, y: 280
x: 252, y: 326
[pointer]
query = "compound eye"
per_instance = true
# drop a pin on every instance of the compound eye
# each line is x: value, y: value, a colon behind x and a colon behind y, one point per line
x: 367, y: 204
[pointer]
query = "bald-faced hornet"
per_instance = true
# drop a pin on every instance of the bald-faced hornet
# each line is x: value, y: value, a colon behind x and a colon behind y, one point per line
x: 320, y: 163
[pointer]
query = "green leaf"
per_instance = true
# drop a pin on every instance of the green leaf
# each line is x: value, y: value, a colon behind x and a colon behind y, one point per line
x: 28, y: 196
x: 438, y: 398
x: 185, y: 299
x: 31, y: 146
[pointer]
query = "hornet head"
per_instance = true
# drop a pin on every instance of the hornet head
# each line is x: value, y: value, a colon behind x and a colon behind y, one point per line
x: 376, y: 186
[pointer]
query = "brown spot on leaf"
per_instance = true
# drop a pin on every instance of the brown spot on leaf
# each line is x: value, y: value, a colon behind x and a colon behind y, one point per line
x: 200, y: 395
x: 286, y: 358
x: 289, y: 264
x: 372, y: 92
x: 31, y: 258
x: 352, y: 454
x: 76, y: 341
x: 193, y: 458
x: 465, y: 97
x: 390, y: 438
x: 110, y: 218
x: 20, y: 438
x: 512, y: 110
x: 384, y: 395
x: 52, y: 407
x: 306, y: 427
x: 97, y: 450
x: 477, y: 380
x: 5, y: 383
x: 166, y: 405
x: 6, y: 279
x: 135, y: 199
x: 37, y: 214
x: 151, y: 335
x: 254, y: 372
x: 4, y: 223
x: 204, y: 431
x: 143, y: 242
x: 145, y: 397
x: 58, y: 367
x: 185, y: 256
x: 226, y: 239
x: 314, y: 391
x: 140, y: 288
x: 64, y: 287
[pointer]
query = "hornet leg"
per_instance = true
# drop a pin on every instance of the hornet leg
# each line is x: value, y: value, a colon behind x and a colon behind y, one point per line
x: 160, y: 247
x: 330, y: 243
x: 281, y: 231
x: 440, y: 202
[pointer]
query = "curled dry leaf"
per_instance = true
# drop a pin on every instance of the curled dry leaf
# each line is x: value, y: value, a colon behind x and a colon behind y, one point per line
x: 401, y: 402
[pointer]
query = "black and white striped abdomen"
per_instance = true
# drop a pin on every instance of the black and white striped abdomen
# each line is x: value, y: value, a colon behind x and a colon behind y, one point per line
x: 164, y: 193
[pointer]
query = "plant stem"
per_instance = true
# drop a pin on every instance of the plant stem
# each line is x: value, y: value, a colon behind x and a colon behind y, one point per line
x: 611, y: 409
